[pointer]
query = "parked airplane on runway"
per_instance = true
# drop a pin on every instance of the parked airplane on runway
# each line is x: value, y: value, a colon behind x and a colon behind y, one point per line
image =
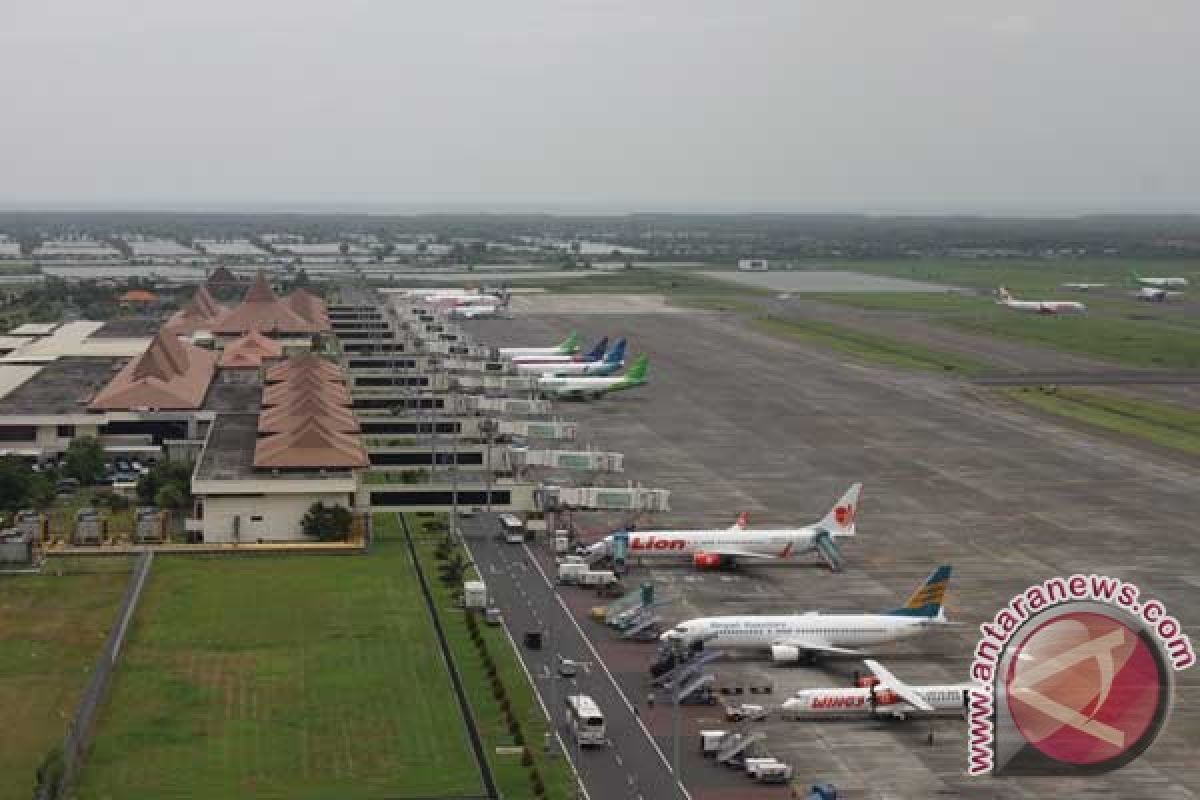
x: 1150, y: 295
x: 1159, y: 283
x: 880, y: 694
x: 723, y: 547
x: 591, y: 387
x: 792, y: 638
x: 473, y: 311
x: 607, y: 365
x: 1039, y: 306
x: 564, y: 348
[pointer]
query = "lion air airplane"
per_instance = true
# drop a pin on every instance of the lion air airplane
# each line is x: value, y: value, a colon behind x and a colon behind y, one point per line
x: 1039, y: 306
x: 792, y: 638
x: 722, y: 547
x: 880, y: 694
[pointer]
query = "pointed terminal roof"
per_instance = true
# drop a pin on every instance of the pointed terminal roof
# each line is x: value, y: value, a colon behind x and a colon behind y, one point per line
x: 283, y: 393
x: 261, y: 310
x: 198, y: 314
x: 222, y: 277
x: 309, y: 306
x: 300, y: 409
x: 169, y: 374
x: 308, y: 363
x: 312, y: 445
x: 250, y: 351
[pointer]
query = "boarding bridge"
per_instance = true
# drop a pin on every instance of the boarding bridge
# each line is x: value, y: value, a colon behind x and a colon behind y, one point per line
x: 473, y: 495
x: 533, y: 429
x: 507, y: 405
x: 498, y: 383
x: 400, y: 455
x: 594, y: 461
x: 632, y: 498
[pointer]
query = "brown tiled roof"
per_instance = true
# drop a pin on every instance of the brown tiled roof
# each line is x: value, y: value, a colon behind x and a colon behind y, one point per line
x: 197, y: 315
x: 250, y: 351
x: 169, y: 374
x: 261, y: 310
x: 221, y: 276
x: 304, y: 364
x: 311, y: 445
x: 301, y: 408
x: 309, y: 306
x: 281, y: 393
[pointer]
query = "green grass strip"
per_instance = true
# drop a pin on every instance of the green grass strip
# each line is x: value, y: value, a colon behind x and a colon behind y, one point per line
x: 1163, y: 424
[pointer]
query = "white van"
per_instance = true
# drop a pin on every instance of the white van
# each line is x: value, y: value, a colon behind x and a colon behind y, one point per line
x: 513, y: 529
x: 585, y: 720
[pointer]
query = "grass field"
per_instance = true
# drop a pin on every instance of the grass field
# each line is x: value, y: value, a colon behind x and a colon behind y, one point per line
x: 52, y: 627
x: 872, y: 348
x: 1134, y: 342
x: 1165, y: 425
x: 1021, y: 274
x: 925, y: 302
x: 296, y: 677
x: 511, y: 777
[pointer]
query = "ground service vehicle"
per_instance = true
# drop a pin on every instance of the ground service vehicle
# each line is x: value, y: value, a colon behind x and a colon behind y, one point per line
x: 513, y: 528
x: 585, y: 720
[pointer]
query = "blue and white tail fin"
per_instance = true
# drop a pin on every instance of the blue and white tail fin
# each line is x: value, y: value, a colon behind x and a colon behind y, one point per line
x: 840, y: 519
x: 927, y: 600
x: 597, y: 352
x: 617, y: 354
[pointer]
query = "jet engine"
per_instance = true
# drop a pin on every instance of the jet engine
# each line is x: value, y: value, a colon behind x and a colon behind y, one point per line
x: 785, y: 653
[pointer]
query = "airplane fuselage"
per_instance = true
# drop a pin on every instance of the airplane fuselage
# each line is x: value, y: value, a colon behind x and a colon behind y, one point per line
x: 946, y: 699
x: 774, y: 544
x: 1048, y: 307
x: 1163, y: 283
x: 770, y: 633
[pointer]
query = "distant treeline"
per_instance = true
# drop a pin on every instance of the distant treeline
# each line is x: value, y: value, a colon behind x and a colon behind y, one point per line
x: 770, y: 235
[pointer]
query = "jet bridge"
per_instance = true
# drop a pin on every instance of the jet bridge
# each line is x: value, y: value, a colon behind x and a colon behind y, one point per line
x: 530, y: 429
x: 631, y: 498
x: 591, y: 460
x: 507, y: 405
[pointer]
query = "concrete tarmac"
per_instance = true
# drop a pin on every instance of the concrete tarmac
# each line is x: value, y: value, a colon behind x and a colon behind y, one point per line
x: 734, y: 420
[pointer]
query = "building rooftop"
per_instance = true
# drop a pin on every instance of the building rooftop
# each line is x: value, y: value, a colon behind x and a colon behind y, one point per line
x: 250, y: 351
x: 228, y: 454
x: 311, y: 445
x: 64, y: 386
x: 197, y: 314
x: 170, y: 374
x: 262, y: 310
x: 303, y: 407
x: 233, y: 397
x: 303, y: 364
x: 128, y: 328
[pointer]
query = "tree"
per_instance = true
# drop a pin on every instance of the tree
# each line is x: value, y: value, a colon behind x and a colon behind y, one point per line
x: 327, y: 523
x: 85, y: 459
x: 170, y: 496
x: 178, y: 474
x: 15, y: 479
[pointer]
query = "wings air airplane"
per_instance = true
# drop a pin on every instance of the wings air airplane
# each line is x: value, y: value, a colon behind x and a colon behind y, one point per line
x: 880, y: 694
x: 564, y: 348
x: 723, y: 547
x: 604, y: 366
x: 1159, y: 283
x: 792, y: 638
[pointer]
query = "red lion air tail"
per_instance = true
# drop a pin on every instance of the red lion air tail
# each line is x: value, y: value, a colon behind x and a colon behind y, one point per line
x: 840, y: 519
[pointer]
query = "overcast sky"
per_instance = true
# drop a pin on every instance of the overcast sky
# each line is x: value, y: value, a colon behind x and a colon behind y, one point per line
x: 1046, y: 106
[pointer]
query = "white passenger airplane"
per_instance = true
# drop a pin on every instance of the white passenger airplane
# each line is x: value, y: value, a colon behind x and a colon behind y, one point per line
x: 607, y: 365
x: 1039, y: 306
x: 1148, y: 295
x: 881, y: 694
x: 1083, y: 287
x: 473, y: 311
x: 564, y: 348
x: 592, y: 387
x: 1159, y: 283
x: 792, y: 638
x: 723, y: 547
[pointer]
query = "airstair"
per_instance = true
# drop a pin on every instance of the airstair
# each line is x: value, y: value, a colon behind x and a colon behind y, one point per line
x: 828, y: 550
x: 686, y: 671
x: 697, y: 690
x: 733, y: 745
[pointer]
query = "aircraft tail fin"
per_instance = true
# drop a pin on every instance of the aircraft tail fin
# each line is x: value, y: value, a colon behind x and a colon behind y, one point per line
x: 617, y: 354
x: 741, y: 522
x: 927, y: 600
x: 570, y: 344
x: 637, y: 371
x: 597, y: 352
x: 1003, y: 295
x: 840, y: 519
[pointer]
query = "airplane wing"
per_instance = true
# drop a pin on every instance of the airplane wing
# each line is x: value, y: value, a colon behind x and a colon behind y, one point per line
x: 889, y: 681
x: 813, y: 646
x: 737, y: 552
